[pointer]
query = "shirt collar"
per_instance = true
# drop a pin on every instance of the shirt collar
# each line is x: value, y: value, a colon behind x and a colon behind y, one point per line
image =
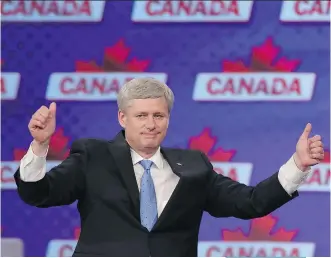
x: 156, y: 158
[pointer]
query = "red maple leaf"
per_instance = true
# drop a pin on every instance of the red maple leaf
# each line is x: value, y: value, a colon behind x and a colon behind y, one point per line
x: 264, y: 58
x: 57, y: 147
x: 115, y: 59
x: 206, y: 143
x: 260, y: 230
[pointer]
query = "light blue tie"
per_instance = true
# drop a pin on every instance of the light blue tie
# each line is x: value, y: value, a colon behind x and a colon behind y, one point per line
x: 148, y: 203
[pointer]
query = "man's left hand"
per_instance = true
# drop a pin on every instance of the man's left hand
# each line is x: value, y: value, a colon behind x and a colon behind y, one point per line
x: 309, y: 151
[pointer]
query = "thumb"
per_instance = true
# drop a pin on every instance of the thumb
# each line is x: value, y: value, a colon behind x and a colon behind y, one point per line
x: 306, y: 132
x: 52, y: 109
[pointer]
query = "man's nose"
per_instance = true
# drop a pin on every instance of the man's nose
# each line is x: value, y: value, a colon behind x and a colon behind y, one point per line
x: 150, y: 123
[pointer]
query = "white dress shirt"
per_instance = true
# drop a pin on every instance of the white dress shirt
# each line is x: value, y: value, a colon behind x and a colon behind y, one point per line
x: 33, y: 168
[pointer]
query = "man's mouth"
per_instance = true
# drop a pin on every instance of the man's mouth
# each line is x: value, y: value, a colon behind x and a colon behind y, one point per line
x: 150, y: 134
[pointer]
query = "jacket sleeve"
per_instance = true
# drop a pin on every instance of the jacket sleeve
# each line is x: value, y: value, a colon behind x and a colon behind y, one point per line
x: 229, y: 198
x: 62, y: 185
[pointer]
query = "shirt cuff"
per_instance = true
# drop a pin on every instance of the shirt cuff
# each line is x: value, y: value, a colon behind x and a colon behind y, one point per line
x: 291, y: 177
x: 32, y: 167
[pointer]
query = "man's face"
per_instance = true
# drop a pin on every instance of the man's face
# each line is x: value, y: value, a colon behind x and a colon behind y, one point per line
x: 146, y: 122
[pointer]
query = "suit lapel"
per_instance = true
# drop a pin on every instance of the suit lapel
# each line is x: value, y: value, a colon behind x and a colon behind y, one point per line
x: 175, y: 162
x: 120, y: 150
x: 174, y: 159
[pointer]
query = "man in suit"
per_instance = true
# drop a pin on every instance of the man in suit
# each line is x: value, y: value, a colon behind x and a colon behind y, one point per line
x: 136, y: 198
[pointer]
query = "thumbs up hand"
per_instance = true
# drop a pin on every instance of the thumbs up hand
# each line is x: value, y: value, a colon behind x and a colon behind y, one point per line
x: 42, y: 124
x: 309, y: 151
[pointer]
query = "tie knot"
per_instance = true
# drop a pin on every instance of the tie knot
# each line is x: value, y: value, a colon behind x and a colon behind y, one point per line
x: 146, y: 163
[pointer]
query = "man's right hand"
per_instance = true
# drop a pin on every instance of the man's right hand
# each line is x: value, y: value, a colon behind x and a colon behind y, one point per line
x: 42, y: 126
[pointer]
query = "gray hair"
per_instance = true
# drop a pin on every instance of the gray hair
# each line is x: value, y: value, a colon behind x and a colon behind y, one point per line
x: 144, y: 88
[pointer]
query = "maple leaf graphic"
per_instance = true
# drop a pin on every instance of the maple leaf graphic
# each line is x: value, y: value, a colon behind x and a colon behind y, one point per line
x: 114, y: 61
x: 205, y: 142
x: 57, y: 147
x: 260, y: 230
x: 263, y: 59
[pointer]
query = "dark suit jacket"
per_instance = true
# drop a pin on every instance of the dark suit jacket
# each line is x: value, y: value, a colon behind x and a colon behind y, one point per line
x: 99, y: 174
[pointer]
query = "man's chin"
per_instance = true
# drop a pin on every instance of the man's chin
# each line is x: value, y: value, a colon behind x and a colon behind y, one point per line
x: 151, y: 143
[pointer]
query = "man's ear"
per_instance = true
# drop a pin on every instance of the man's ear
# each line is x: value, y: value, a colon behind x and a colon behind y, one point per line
x: 121, y: 118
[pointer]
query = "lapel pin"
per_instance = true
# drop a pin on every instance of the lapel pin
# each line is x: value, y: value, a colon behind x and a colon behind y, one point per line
x: 179, y: 164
